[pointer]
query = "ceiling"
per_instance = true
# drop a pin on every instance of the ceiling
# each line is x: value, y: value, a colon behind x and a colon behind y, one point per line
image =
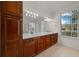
x: 49, y: 8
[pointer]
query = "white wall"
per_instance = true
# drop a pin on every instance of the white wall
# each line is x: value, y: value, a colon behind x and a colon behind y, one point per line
x: 56, y: 26
x: 49, y: 8
x: 70, y: 42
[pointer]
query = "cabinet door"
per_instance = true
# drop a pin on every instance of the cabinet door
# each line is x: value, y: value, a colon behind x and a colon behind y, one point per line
x: 29, y: 47
x: 52, y: 39
x: 40, y: 44
x: 12, y: 36
x: 10, y: 28
x: 47, y: 41
x: 13, y: 7
x: 55, y: 38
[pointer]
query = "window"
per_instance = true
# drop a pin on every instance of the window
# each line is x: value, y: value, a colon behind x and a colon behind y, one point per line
x: 69, y: 23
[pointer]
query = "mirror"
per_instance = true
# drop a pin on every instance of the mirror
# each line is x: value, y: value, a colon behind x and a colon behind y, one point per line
x: 33, y: 23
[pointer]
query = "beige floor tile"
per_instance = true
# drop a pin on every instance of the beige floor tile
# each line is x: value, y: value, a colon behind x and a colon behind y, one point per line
x: 59, y: 51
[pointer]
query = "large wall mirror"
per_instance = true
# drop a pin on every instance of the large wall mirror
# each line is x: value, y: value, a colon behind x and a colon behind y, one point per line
x: 35, y: 22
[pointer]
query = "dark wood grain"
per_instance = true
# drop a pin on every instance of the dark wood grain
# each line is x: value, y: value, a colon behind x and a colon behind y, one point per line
x: 54, y: 38
x: 36, y: 45
x: 11, y: 31
x: 29, y: 47
x: 0, y: 28
x: 39, y: 44
x: 47, y: 41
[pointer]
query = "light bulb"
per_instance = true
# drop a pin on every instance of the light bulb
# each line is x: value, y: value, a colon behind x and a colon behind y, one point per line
x: 26, y: 14
x: 36, y: 14
x: 28, y: 11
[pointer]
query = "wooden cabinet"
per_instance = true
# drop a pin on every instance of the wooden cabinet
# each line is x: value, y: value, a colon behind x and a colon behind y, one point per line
x: 0, y: 28
x: 33, y: 46
x: 47, y: 41
x: 12, y: 34
x: 11, y: 43
x: 11, y: 28
x: 11, y: 49
x: 36, y: 45
x: 39, y: 44
x: 54, y: 38
x: 29, y: 47
x: 12, y: 7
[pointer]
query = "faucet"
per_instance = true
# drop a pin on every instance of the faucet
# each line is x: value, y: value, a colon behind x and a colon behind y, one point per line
x: 32, y: 30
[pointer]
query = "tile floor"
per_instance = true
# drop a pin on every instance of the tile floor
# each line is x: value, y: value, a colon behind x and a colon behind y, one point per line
x: 59, y: 51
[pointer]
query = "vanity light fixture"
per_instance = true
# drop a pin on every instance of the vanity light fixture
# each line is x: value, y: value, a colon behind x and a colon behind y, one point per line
x: 47, y: 19
x: 28, y: 11
x: 26, y: 14
x: 31, y: 14
x: 37, y: 15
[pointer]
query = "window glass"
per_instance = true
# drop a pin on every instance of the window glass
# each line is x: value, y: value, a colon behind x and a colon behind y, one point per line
x: 69, y: 24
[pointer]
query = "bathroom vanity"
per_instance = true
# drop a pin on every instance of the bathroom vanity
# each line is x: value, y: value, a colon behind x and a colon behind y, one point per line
x: 12, y: 44
x: 38, y: 33
x: 33, y: 44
